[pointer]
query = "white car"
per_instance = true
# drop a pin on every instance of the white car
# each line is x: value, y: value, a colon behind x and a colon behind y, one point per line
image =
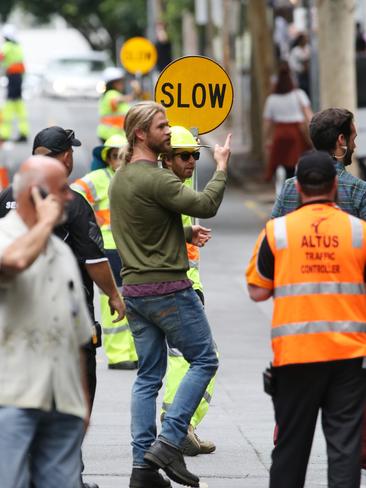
x: 76, y: 76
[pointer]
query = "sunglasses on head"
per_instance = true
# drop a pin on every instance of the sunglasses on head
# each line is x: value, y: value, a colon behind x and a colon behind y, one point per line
x: 185, y: 155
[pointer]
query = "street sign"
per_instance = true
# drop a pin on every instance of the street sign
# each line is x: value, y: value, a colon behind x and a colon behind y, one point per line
x: 196, y: 92
x: 138, y: 55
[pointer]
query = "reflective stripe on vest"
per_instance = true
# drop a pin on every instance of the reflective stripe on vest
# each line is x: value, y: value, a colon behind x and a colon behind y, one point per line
x: 87, y: 188
x: 356, y: 226
x: 194, y: 264
x: 174, y: 353
x: 280, y: 233
x: 316, y: 327
x: 207, y: 397
x: 322, y: 288
x: 115, y: 330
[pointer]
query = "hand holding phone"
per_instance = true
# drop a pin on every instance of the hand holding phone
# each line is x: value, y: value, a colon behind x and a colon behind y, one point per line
x: 48, y: 207
x: 44, y: 193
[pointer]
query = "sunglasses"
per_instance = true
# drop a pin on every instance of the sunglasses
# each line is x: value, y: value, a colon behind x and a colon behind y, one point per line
x: 185, y: 156
x: 115, y: 155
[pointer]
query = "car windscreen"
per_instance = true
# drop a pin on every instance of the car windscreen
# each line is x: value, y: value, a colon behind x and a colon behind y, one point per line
x: 77, y: 66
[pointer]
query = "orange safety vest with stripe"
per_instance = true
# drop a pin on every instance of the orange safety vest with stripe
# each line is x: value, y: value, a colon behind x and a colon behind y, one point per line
x: 318, y: 289
x: 94, y: 187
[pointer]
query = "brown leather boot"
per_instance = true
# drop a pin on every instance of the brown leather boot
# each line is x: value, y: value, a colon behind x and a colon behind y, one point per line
x: 193, y: 445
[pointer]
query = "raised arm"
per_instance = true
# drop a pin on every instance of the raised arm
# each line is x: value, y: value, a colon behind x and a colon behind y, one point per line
x: 21, y: 254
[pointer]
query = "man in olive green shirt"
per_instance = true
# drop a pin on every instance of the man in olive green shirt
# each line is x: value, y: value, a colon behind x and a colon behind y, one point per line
x: 146, y: 207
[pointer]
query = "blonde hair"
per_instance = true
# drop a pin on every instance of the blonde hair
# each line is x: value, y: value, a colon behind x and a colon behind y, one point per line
x: 139, y: 116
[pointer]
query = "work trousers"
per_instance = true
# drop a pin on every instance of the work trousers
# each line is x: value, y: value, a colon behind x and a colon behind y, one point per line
x: 117, y: 338
x: 338, y: 389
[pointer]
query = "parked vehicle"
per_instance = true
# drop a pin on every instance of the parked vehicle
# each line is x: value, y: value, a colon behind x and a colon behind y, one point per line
x: 76, y: 76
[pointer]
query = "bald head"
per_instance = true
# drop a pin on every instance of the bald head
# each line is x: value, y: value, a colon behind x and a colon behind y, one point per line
x: 38, y: 171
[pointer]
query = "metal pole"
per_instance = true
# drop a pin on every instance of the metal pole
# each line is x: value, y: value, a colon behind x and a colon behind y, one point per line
x: 314, y: 60
x: 151, y: 20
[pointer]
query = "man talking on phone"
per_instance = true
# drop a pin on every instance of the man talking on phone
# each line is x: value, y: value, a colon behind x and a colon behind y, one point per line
x: 44, y: 321
x: 81, y: 232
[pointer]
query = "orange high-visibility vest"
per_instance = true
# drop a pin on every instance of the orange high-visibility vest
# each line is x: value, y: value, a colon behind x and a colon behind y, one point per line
x: 114, y: 120
x: 4, y: 178
x: 318, y: 289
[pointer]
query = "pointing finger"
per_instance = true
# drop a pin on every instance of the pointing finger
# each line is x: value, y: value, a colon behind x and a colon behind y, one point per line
x: 227, y: 142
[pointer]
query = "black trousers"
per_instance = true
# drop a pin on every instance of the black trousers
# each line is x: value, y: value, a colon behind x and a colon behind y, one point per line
x: 338, y: 389
x: 91, y: 375
x: 91, y: 371
x: 14, y: 86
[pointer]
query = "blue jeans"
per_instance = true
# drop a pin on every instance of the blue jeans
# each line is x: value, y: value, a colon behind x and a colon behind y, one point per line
x: 179, y: 318
x: 40, y: 446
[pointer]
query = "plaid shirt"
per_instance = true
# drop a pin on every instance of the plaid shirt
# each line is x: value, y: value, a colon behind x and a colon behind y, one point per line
x: 351, y: 195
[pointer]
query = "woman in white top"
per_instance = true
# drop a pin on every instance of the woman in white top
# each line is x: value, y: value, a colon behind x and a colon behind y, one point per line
x: 286, y: 112
x: 299, y: 60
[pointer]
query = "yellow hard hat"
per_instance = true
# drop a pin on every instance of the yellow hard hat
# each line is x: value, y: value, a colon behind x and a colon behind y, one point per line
x: 180, y: 137
x: 117, y: 140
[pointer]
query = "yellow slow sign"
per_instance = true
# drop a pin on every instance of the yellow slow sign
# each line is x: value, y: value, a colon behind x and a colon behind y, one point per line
x: 138, y: 55
x: 196, y: 92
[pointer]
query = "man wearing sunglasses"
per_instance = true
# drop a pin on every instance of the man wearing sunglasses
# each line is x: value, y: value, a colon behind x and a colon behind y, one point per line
x: 82, y: 234
x: 182, y: 161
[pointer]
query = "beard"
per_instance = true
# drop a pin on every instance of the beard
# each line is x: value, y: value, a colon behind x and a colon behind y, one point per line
x: 347, y: 158
x: 159, y: 147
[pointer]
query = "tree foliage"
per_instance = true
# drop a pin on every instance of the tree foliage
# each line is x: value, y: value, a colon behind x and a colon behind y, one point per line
x: 173, y: 18
x: 6, y: 7
x: 101, y: 22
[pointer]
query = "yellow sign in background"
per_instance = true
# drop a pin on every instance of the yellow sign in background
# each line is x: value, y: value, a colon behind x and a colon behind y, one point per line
x: 138, y: 55
x: 196, y: 92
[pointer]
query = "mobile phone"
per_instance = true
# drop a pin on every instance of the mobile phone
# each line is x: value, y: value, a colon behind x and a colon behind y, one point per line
x: 42, y: 192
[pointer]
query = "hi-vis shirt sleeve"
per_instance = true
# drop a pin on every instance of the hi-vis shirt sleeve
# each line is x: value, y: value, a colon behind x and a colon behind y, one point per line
x: 252, y: 273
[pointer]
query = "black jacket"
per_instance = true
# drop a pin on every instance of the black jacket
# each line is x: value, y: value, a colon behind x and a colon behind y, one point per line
x: 80, y: 232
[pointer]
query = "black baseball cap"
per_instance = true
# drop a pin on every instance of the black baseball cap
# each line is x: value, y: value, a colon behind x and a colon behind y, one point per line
x: 315, y: 168
x: 54, y: 140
